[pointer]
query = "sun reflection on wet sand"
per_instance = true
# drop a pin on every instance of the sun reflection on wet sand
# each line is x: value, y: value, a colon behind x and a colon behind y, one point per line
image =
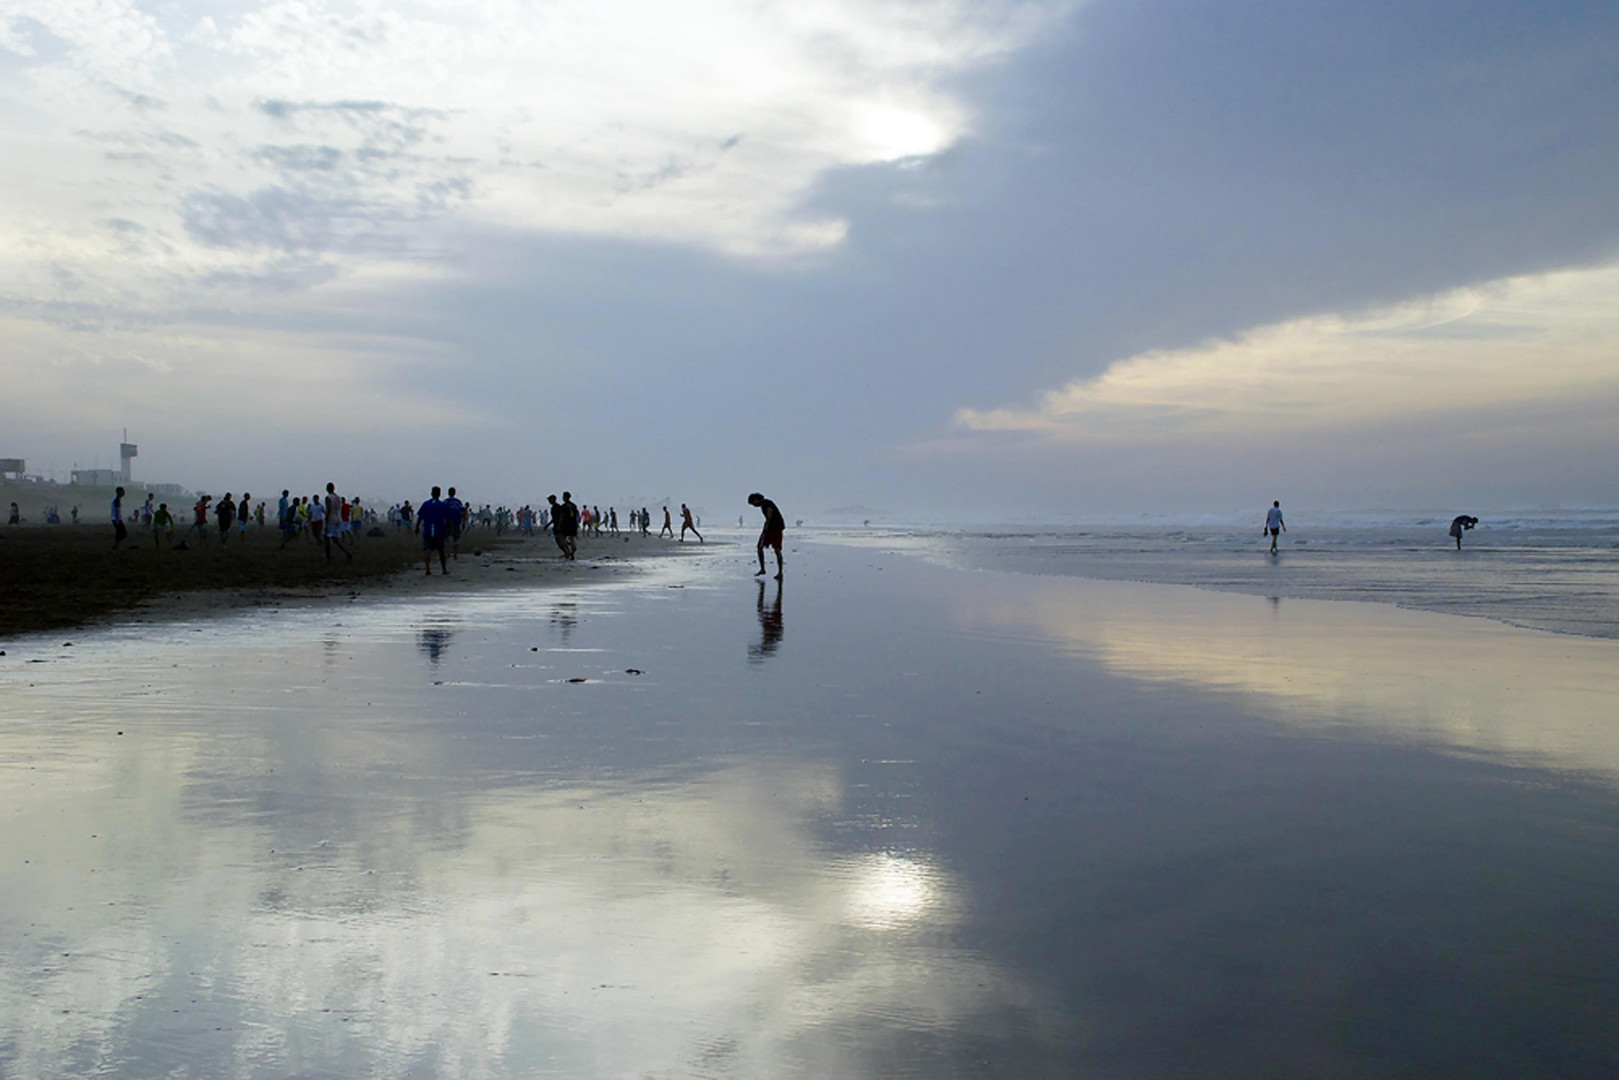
x: 277, y: 858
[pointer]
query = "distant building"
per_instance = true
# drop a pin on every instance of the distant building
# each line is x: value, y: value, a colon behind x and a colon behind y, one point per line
x: 98, y: 477
x: 12, y: 468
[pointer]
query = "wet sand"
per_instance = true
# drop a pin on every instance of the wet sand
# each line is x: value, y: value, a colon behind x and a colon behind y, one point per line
x: 893, y: 819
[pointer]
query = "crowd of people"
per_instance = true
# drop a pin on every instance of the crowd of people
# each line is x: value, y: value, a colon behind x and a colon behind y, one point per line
x: 333, y: 523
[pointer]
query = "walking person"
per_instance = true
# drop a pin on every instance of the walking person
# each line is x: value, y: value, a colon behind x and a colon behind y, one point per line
x: 1274, y: 523
x: 334, y: 523
x: 667, y: 529
x: 773, y: 533
x: 224, y: 514
x: 433, y: 524
x: 686, y: 523
x: 455, y: 513
x: 565, y: 524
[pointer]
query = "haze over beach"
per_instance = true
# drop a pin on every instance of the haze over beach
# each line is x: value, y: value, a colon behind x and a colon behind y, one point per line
x: 957, y: 262
x: 1181, y: 634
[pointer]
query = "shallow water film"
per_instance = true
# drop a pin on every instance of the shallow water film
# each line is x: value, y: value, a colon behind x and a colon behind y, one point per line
x: 890, y: 819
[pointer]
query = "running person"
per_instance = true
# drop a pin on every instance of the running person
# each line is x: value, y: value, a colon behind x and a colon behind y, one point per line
x: 667, y: 527
x: 771, y: 537
x: 686, y: 523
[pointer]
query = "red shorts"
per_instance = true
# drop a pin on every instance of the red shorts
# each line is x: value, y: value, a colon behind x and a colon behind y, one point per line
x: 771, y: 538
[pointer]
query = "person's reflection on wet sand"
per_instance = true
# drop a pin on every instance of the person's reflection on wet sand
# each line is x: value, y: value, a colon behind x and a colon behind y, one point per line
x: 770, y: 625
x: 565, y: 616
x: 433, y: 640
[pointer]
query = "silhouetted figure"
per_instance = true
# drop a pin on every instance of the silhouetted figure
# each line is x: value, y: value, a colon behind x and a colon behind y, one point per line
x: 686, y: 523
x: 432, y: 523
x: 119, y: 533
x: 774, y: 530
x: 1460, y: 524
x: 224, y: 514
x: 565, y: 524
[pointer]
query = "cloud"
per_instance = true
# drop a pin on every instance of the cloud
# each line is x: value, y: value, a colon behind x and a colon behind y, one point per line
x: 704, y: 125
x: 1507, y: 343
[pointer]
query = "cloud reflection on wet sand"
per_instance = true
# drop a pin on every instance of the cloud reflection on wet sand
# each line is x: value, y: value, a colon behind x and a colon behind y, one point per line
x: 1468, y: 685
x: 311, y: 888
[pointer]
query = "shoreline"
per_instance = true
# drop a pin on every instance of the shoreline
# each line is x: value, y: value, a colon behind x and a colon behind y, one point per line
x: 64, y: 578
x: 1569, y: 589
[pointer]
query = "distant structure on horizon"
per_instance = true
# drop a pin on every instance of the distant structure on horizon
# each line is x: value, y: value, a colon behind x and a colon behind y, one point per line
x: 106, y: 478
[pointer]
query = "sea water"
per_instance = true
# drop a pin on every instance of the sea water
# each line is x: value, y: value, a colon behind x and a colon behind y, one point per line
x: 1552, y: 570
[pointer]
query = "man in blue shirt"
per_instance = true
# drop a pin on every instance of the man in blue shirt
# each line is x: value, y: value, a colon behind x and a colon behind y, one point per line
x: 433, y: 524
x: 455, y: 512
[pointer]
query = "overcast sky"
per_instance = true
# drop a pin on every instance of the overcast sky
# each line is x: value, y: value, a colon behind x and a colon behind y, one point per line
x: 939, y: 258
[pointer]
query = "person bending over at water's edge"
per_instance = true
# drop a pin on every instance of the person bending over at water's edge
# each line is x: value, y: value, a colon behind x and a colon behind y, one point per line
x: 771, y: 537
x: 1274, y: 523
x: 1460, y: 524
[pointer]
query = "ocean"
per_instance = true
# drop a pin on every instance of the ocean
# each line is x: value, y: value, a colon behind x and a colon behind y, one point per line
x: 1550, y: 570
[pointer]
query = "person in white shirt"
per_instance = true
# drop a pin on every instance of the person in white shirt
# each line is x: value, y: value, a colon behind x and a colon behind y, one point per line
x: 1274, y: 523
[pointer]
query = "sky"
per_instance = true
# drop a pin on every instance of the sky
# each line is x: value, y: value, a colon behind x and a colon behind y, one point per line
x: 930, y: 259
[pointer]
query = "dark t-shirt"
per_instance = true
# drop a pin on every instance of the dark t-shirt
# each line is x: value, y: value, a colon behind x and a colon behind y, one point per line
x: 432, y: 517
x: 566, y: 522
x: 773, y: 519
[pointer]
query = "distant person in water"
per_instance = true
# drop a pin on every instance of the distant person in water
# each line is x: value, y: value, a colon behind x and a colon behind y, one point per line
x: 1274, y: 523
x: 432, y: 522
x: 771, y: 537
x: 686, y: 523
x: 1461, y: 524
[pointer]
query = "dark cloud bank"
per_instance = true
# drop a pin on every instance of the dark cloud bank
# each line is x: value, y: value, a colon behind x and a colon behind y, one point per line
x: 1156, y: 174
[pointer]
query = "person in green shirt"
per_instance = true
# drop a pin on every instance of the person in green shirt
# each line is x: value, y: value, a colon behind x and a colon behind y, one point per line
x: 162, y: 526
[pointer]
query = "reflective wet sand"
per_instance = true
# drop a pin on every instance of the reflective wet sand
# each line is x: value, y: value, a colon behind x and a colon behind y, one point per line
x: 890, y: 820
